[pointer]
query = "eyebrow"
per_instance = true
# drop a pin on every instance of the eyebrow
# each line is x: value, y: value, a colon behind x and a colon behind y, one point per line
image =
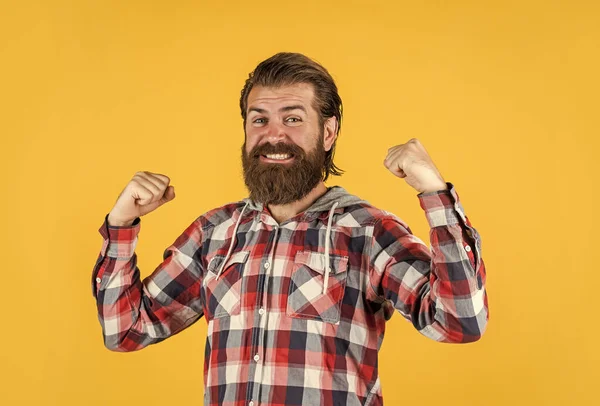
x: 283, y: 109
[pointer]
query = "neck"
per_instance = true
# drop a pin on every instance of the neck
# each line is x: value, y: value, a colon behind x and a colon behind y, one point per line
x: 283, y: 212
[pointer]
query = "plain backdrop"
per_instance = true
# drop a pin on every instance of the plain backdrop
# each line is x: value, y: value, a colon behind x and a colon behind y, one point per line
x: 503, y: 95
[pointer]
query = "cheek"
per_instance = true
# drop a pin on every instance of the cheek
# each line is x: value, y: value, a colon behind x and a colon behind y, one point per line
x: 248, y: 147
x: 251, y: 141
x: 302, y: 138
x: 308, y: 143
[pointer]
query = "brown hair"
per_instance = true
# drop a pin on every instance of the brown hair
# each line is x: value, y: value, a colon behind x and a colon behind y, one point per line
x: 287, y: 68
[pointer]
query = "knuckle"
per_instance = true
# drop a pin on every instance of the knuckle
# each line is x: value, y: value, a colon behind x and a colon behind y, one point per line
x: 163, y: 178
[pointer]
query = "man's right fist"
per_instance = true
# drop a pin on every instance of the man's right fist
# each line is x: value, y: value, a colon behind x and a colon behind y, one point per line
x: 144, y: 193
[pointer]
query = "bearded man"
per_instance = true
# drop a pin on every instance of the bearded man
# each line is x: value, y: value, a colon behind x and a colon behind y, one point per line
x: 297, y: 281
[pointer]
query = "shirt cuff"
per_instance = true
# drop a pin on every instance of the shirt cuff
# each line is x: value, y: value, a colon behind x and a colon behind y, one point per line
x: 442, y: 207
x: 119, y: 241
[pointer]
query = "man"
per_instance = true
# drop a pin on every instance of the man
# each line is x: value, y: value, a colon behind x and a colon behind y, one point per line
x: 297, y: 281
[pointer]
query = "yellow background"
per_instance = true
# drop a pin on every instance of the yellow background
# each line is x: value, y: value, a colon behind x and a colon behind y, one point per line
x: 504, y: 96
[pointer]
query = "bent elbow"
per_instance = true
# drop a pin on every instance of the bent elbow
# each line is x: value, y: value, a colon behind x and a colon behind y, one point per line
x: 461, y: 337
x: 467, y: 330
x: 474, y: 326
x: 120, y: 344
x: 474, y: 330
x: 470, y: 338
x: 112, y: 344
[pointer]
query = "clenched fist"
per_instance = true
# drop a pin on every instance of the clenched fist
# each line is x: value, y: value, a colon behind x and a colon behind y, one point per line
x: 144, y: 193
x: 412, y: 162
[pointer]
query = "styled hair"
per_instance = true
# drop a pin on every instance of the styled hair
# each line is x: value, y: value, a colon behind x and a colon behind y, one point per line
x: 288, y: 68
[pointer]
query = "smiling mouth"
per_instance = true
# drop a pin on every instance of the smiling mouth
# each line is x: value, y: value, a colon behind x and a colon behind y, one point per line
x: 277, y: 158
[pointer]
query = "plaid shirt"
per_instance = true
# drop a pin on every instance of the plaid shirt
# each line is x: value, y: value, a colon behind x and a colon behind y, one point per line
x: 296, y: 311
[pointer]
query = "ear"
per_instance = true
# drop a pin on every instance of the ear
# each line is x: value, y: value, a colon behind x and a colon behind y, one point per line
x: 330, y: 134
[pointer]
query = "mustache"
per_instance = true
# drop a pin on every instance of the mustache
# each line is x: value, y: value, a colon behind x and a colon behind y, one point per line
x: 279, y: 148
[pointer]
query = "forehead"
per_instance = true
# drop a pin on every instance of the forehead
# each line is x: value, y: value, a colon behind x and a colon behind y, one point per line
x: 299, y: 93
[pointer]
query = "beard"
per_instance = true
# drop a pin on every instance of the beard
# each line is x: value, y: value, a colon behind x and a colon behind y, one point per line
x: 275, y: 183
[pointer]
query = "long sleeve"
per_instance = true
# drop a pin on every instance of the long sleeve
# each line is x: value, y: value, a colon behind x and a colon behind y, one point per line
x: 135, y: 313
x: 440, y: 290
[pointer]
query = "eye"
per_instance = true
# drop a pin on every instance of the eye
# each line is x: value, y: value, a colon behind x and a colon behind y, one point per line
x: 259, y: 120
x: 294, y: 119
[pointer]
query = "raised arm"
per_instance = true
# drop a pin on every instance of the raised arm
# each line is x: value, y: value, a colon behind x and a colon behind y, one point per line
x: 442, y: 290
x: 135, y: 313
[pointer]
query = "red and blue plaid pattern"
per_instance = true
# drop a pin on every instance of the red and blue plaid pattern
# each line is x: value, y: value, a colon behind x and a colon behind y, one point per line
x: 275, y: 337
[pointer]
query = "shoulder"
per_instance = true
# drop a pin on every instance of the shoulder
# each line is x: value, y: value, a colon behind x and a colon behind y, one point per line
x: 364, y: 214
x: 220, y: 215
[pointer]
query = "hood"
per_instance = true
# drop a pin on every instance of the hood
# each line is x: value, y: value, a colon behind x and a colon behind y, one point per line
x: 324, y: 203
x: 332, y: 201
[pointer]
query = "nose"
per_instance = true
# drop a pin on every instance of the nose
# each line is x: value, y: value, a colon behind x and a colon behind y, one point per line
x: 275, y: 132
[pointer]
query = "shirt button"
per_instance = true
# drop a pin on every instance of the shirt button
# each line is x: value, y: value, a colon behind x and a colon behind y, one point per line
x: 467, y: 248
x: 267, y: 265
x: 98, y: 280
x: 256, y: 358
x: 261, y: 311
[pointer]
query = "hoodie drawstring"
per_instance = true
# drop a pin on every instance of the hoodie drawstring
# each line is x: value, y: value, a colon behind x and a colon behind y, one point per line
x: 327, y: 234
x: 237, y: 223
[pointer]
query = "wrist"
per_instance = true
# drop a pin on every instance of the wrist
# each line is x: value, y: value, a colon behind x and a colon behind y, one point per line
x: 118, y: 223
x: 435, y: 188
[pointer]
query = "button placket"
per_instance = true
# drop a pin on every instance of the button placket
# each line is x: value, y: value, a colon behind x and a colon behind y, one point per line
x: 267, y: 266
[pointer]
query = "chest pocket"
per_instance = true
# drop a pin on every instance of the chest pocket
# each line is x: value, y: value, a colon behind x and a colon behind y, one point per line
x: 306, y: 298
x: 223, y: 296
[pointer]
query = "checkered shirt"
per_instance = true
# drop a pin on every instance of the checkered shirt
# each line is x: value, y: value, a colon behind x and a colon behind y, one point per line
x: 278, y: 332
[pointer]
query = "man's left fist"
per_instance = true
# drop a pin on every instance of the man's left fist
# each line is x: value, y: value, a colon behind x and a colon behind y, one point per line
x: 412, y: 162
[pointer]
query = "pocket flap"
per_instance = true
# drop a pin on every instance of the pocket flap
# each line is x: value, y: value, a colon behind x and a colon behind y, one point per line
x: 316, y: 261
x: 237, y: 257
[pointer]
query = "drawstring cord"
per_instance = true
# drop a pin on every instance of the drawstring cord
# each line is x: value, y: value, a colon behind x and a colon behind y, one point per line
x: 237, y: 223
x: 327, y: 234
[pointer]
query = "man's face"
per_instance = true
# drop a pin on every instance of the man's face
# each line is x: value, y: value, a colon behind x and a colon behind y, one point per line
x: 283, y: 154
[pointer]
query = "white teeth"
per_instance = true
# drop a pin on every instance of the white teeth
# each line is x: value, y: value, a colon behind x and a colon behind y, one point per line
x: 278, y: 156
